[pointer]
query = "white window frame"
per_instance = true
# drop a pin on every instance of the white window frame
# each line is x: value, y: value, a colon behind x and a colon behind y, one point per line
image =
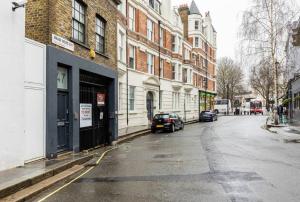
x: 150, y: 29
x: 173, y: 42
x: 120, y: 96
x: 197, y: 25
x: 131, y: 98
x: 162, y: 61
x: 161, y: 37
x: 131, y: 14
x: 174, y: 71
x: 121, y: 47
x: 179, y: 45
x: 179, y: 72
x: 197, y: 42
x: 132, y: 50
x: 150, y: 63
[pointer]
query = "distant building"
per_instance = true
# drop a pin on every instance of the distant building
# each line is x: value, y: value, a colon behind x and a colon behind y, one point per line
x: 162, y: 60
x: 292, y: 72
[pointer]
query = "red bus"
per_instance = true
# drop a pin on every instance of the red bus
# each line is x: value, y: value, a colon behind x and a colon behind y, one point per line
x: 256, y: 107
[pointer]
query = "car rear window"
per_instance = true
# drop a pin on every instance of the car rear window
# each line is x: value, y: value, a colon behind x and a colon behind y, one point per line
x: 161, y: 116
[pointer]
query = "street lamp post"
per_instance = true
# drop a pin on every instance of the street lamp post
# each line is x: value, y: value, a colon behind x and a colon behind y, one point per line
x: 276, y: 121
x: 227, y: 86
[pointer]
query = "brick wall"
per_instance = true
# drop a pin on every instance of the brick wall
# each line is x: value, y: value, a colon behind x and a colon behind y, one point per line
x: 36, y: 24
x: 59, y: 13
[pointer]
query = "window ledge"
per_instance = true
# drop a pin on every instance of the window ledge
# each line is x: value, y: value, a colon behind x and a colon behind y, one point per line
x: 80, y: 43
x: 102, y: 54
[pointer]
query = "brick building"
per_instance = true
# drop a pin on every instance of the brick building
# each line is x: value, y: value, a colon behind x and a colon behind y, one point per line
x: 81, y: 72
x: 166, y: 61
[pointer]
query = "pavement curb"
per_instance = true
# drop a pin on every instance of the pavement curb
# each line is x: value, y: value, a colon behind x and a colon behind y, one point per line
x: 39, y: 178
x: 131, y: 136
x: 37, y: 188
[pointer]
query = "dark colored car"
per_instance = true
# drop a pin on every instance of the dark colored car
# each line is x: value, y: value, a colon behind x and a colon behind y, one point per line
x: 208, y: 116
x: 167, y: 122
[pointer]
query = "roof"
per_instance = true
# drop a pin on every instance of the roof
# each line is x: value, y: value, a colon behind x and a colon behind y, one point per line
x: 194, y: 9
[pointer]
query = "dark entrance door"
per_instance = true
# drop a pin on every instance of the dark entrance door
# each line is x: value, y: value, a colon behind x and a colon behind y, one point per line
x: 62, y: 121
x: 150, y: 105
x: 97, y: 133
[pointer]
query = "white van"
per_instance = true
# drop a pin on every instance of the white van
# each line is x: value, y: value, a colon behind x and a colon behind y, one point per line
x: 221, y: 106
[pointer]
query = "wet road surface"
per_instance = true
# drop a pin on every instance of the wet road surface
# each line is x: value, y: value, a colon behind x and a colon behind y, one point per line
x: 232, y: 159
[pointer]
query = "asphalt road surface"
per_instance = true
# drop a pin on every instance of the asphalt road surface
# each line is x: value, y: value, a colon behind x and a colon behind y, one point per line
x: 232, y: 159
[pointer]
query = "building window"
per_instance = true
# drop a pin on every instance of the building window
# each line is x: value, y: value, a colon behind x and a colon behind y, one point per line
x: 131, y: 18
x: 161, y: 99
x: 161, y: 68
x: 196, y: 25
x: 131, y: 97
x: 184, y: 75
x: 173, y: 71
x: 121, y: 46
x: 78, y: 21
x: 175, y: 100
x: 196, y: 42
x: 150, y: 63
x: 173, y: 43
x: 100, y: 35
x: 179, y: 44
x: 161, y: 37
x: 120, y: 96
x: 155, y: 4
x: 150, y: 30
x: 190, y: 75
x: 131, y: 57
x: 179, y: 78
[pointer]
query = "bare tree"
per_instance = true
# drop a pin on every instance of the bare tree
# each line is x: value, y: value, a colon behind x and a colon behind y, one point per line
x: 263, y: 31
x: 261, y: 80
x: 229, y: 78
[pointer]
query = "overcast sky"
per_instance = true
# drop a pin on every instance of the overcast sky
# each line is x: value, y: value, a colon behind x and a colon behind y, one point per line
x: 226, y: 16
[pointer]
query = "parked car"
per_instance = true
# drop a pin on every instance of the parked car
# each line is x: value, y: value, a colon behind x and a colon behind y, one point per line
x: 208, y: 116
x: 167, y: 122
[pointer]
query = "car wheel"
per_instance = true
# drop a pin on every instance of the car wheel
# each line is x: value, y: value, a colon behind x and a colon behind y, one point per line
x: 172, y: 128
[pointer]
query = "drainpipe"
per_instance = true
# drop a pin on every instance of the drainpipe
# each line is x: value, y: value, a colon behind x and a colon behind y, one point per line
x: 206, y: 79
x: 127, y: 86
x: 159, y: 65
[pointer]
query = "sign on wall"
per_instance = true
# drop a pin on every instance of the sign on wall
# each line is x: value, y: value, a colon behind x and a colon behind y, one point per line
x: 60, y: 41
x: 85, y: 115
x: 100, y: 99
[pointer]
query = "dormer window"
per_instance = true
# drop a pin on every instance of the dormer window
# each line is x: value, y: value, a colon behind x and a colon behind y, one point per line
x: 155, y: 5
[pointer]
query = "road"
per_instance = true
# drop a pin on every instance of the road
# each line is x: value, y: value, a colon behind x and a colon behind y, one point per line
x: 232, y: 159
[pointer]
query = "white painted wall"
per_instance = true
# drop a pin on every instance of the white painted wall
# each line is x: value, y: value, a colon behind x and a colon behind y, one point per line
x: 138, y: 117
x: 35, y: 100
x: 12, y: 59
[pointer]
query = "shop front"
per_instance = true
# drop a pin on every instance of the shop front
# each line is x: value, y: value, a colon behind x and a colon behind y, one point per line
x: 206, y: 100
x: 81, y: 103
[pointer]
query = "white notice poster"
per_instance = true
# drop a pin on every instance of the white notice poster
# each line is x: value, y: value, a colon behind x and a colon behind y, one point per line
x: 85, y: 115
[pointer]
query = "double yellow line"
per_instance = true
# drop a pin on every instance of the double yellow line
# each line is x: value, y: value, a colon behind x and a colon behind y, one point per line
x: 87, y: 171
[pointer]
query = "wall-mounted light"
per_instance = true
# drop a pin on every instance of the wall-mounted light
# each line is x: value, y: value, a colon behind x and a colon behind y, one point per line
x: 17, y: 5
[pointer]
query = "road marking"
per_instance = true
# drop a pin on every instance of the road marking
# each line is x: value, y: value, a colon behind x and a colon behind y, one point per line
x: 91, y: 168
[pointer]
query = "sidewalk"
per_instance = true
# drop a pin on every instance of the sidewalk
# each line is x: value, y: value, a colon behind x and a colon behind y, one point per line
x: 286, y: 132
x: 16, y: 179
